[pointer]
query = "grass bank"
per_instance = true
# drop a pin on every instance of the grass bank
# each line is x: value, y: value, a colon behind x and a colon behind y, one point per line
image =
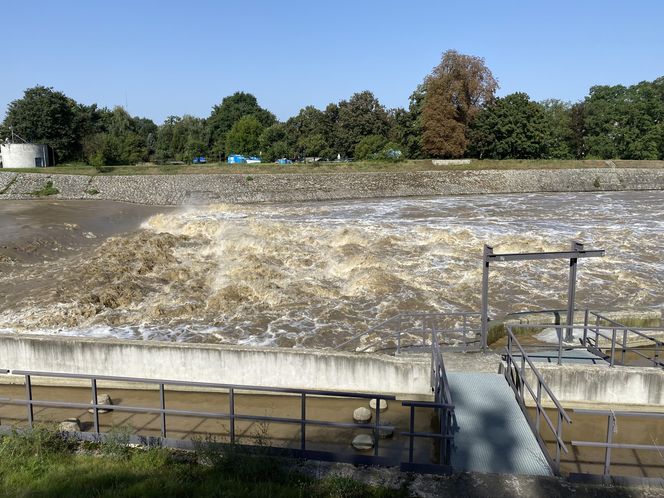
x: 45, y: 463
x: 332, y: 167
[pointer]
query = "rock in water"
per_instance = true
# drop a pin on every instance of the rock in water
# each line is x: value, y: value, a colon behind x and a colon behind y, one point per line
x: 362, y: 415
x: 70, y: 425
x: 363, y: 442
x: 102, y: 399
x: 383, y: 405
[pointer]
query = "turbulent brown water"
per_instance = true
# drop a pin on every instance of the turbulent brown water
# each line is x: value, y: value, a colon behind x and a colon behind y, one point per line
x: 313, y: 274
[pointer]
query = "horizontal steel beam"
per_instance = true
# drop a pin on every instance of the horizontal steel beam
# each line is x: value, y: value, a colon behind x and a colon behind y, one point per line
x: 529, y: 256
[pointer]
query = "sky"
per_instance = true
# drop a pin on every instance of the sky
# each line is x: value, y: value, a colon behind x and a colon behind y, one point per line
x: 161, y: 58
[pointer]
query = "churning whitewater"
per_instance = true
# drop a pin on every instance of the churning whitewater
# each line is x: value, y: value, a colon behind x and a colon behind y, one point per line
x: 311, y: 275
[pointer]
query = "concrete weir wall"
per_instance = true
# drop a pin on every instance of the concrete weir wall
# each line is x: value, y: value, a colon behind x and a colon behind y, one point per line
x: 237, y: 188
x: 597, y: 385
x: 269, y: 367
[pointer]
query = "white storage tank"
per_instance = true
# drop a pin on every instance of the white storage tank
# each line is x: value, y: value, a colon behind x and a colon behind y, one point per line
x: 24, y: 155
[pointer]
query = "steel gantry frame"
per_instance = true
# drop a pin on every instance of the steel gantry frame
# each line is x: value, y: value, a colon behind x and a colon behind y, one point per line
x: 577, y: 251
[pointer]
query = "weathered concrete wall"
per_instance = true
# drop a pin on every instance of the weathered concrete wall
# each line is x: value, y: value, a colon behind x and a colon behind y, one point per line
x: 594, y: 384
x: 236, y: 188
x: 271, y: 367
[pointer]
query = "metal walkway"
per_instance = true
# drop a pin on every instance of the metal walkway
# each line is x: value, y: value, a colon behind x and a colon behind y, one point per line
x: 493, y: 434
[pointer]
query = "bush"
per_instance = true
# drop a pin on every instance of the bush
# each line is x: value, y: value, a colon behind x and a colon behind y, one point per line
x: 46, y: 190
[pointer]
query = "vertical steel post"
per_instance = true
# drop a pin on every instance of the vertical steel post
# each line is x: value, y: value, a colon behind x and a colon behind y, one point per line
x: 231, y: 402
x: 610, y: 424
x: 586, y: 318
x: 624, y: 346
x: 559, y: 437
x: 571, y: 292
x: 28, y: 396
x: 162, y: 405
x: 411, y: 437
x: 377, y: 427
x: 539, y: 405
x: 399, y: 335
x: 95, y: 410
x: 488, y: 250
x: 613, y: 348
x: 303, y: 423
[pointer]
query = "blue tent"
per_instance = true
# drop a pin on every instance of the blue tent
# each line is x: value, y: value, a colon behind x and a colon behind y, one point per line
x: 236, y: 159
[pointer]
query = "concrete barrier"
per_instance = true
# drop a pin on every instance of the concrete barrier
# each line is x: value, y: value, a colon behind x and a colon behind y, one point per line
x: 600, y: 385
x: 269, y: 367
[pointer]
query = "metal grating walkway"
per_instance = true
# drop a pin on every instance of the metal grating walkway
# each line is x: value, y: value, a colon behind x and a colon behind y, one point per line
x: 493, y: 434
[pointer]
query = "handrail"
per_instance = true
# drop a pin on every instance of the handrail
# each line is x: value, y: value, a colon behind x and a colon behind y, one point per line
x: 516, y: 378
x: 608, y: 444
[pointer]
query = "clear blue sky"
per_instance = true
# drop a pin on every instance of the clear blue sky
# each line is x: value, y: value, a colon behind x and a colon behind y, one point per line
x: 166, y: 57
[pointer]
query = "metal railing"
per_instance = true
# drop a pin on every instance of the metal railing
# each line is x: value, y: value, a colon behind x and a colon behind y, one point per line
x: 516, y: 360
x: 611, y: 426
x: 608, y: 339
x: 413, y: 331
x: 619, y: 344
x: 232, y: 415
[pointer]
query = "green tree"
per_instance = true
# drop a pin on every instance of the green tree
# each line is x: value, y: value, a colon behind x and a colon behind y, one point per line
x: 229, y: 112
x: 360, y: 116
x: 124, y: 139
x: 455, y: 92
x: 244, y: 137
x: 625, y: 122
x: 44, y: 115
x: 512, y: 127
x: 182, y: 138
x: 273, y: 143
x: 369, y: 146
x: 558, y: 118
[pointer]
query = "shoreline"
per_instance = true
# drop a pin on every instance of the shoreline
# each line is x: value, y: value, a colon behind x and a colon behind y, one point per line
x: 178, y: 190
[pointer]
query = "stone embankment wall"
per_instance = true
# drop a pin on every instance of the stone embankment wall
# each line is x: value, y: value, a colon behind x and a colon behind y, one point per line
x: 247, y: 366
x: 237, y: 188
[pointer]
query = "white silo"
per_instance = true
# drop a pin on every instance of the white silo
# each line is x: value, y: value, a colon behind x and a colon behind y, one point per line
x: 14, y: 155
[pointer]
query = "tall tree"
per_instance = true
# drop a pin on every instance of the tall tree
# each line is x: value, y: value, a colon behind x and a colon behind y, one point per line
x: 229, y: 112
x: 512, y: 127
x: 44, y: 115
x: 455, y: 92
x: 558, y: 118
x: 244, y: 137
x: 360, y: 116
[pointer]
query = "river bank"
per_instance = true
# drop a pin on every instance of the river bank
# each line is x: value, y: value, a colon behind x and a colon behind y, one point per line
x: 177, y: 190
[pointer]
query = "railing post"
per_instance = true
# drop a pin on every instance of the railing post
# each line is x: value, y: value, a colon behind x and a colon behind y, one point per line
x: 586, y: 317
x: 95, y: 410
x: 624, y: 346
x: 597, y: 332
x: 539, y: 405
x: 613, y: 348
x: 231, y: 401
x: 488, y: 250
x: 28, y: 395
x: 609, y: 438
x: 377, y: 427
x: 399, y: 335
x: 303, y: 423
x: 162, y: 405
x: 559, y: 438
x: 522, y: 375
x: 411, y: 437
x: 571, y: 292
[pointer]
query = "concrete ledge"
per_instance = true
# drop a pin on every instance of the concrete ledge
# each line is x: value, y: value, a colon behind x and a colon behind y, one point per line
x: 599, y: 384
x: 267, y: 367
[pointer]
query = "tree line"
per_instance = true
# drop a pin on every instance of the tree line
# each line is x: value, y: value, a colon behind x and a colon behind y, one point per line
x: 453, y: 113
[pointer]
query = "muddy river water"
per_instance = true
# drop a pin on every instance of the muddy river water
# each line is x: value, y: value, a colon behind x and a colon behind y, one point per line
x: 312, y: 274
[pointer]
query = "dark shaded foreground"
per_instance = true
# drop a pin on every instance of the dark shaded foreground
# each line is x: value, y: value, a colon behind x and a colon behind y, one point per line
x: 44, y: 463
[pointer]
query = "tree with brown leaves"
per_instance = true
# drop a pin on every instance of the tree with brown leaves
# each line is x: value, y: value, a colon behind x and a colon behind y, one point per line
x: 456, y: 90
